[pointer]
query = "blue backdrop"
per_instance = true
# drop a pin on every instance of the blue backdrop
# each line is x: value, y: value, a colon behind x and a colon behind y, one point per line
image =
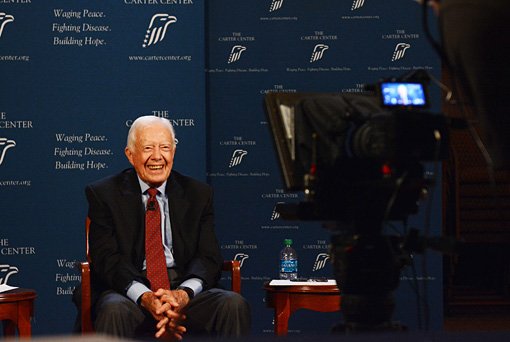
x: 74, y: 74
x: 257, y: 47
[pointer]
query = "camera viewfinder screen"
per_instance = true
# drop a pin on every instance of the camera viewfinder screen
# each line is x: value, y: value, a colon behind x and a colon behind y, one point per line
x: 403, y: 94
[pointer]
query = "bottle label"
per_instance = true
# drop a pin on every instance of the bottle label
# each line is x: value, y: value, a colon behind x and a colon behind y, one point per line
x: 288, y: 266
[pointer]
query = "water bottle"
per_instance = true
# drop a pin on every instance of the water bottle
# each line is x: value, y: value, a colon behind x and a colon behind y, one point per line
x: 288, y: 261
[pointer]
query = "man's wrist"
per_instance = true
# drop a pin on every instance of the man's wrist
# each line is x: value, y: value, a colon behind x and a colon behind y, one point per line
x: 135, y: 290
x: 189, y: 291
x: 140, y: 299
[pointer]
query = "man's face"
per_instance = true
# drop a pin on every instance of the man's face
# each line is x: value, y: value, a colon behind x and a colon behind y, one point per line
x: 153, y: 154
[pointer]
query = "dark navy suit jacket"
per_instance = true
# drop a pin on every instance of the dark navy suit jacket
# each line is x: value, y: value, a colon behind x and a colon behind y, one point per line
x: 117, y: 230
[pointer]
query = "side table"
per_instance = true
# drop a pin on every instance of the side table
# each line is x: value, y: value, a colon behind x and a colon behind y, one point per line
x: 287, y: 299
x: 16, y: 309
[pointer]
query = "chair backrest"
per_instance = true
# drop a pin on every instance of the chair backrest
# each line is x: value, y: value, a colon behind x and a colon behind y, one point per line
x: 87, y: 228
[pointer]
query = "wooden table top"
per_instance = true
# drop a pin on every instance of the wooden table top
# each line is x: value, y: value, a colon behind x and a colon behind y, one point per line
x: 309, y: 288
x: 17, y: 295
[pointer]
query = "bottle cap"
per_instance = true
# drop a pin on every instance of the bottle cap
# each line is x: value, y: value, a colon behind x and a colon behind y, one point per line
x: 288, y: 241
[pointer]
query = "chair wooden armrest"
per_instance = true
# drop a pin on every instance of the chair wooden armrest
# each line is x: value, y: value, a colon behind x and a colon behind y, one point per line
x: 86, y: 323
x: 234, y: 268
x: 86, y: 314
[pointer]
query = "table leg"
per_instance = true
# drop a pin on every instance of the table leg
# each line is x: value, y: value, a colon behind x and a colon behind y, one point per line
x: 25, y: 312
x: 281, y: 314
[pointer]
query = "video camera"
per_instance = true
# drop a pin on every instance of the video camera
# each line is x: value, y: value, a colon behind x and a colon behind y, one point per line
x: 358, y: 158
x: 356, y: 153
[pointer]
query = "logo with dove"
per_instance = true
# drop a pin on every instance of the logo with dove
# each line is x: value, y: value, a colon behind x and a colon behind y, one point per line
x: 157, y: 28
x: 5, y: 144
x: 5, y: 272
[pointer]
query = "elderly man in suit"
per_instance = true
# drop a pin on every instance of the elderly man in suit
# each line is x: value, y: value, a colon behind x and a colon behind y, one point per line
x: 133, y: 299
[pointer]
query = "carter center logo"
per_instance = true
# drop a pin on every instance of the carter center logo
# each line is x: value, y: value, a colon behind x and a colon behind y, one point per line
x: 275, y: 5
x: 4, y: 146
x: 320, y: 261
x: 400, y: 50
x: 5, y: 272
x: 275, y: 215
x: 318, y: 52
x: 241, y: 257
x: 4, y: 19
x: 237, y: 157
x: 357, y: 4
x: 235, y: 54
x: 157, y: 28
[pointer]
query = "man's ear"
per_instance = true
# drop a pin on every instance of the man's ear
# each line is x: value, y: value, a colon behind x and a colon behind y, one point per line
x: 129, y: 155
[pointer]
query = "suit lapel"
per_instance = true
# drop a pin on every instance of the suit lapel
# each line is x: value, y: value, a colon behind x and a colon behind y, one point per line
x: 133, y: 212
x: 178, y: 208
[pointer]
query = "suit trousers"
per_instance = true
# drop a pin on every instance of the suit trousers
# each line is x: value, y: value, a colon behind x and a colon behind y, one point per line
x: 214, y: 312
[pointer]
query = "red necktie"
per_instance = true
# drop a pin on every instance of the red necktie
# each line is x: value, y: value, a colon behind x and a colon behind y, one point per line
x: 154, y: 252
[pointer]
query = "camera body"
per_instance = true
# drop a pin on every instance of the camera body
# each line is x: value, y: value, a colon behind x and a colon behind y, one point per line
x: 353, y: 153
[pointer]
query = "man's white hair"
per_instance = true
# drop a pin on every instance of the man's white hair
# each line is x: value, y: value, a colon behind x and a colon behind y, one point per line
x: 144, y: 121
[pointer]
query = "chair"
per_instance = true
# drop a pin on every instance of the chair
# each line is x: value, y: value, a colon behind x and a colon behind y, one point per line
x: 231, y: 266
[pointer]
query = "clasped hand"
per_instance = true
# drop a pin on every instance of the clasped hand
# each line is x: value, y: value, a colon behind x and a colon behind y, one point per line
x: 166, y: 306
